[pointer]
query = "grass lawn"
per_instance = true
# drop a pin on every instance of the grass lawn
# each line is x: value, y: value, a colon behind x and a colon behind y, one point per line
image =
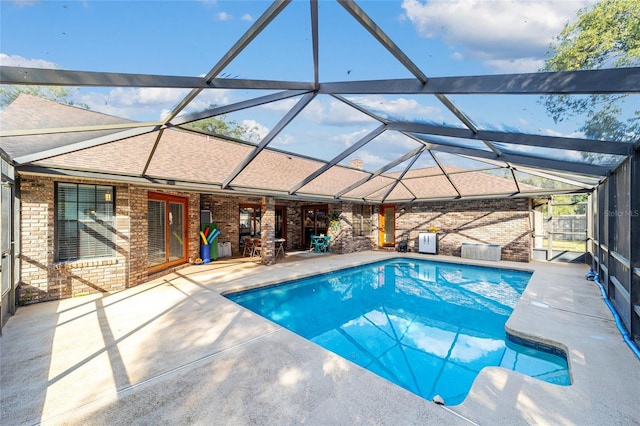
x: 579, y: 246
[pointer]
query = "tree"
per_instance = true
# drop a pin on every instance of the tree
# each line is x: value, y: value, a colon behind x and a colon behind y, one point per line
x: 604, y: 35
x: 569, y: 204
x: 222, y: 126
x: 8, y: 93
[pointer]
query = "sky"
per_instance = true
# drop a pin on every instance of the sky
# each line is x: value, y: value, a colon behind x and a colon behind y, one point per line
x: 187, y: 38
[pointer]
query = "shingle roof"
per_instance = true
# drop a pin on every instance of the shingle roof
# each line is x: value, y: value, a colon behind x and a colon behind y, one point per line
x: 187, y: 156
x: 32, y: 112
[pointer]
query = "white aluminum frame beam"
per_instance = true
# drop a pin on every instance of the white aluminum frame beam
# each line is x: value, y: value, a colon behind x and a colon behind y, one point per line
x: 574, y: 144
x: 604, y: 81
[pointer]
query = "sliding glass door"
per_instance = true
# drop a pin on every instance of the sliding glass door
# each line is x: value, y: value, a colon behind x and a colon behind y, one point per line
x: 316, y: 222
x: 167, y: 231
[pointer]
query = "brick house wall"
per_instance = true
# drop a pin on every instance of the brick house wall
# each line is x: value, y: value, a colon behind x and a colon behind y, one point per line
x: 138, y: 220
x: 342, y: 236
x: 267, y: 229
x: 496, y: 221
x: 43, y: 278
x: 225, y: 212
x: 294, y: 225
x: 491, y: 221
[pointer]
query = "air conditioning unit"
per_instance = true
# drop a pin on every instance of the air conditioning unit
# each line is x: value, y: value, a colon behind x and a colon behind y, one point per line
x: 481, y: 251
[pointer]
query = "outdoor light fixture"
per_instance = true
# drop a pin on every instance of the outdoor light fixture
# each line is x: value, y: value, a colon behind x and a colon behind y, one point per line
x: 107, y: 197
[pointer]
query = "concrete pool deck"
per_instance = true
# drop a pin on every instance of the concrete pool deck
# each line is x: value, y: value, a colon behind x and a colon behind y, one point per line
x: 175, y: 351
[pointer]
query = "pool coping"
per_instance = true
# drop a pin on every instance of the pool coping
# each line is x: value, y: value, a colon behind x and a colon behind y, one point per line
x: 198, y: 346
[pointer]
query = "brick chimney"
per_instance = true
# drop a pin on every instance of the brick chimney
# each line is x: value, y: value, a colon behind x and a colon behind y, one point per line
x: 357, y: 164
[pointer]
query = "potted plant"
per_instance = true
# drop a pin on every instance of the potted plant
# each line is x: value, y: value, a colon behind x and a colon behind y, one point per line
x: 334, y: 220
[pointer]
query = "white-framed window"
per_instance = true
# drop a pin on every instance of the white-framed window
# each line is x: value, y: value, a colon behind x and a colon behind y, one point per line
x: 85, y: 225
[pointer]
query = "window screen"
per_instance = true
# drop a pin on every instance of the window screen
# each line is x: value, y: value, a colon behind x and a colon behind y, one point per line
x: 156, y: 236
x: 85, y: 221
x: 176, y: 230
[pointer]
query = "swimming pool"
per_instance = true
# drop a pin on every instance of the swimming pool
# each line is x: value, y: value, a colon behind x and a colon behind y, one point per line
x: 427, y: 326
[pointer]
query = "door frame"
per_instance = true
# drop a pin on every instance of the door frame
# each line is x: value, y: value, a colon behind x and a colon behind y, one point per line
x: 10, y: 242
x: 256, y: 219
x: 167, y: 198
x: 283, y: 211
x: 382, y: 224
x: 304, y: 239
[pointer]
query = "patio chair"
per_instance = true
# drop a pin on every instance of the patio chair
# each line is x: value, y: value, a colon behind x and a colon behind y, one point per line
x: 248, y: 247
x: 280, y: 242
x: 326, y: 244
x: 257, y: 248
x: 317, y: 243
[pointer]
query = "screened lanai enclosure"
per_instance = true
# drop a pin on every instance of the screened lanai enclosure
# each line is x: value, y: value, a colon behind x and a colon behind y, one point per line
x: 325, y: 123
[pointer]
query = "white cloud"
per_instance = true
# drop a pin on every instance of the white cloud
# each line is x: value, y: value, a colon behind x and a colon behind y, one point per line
x: 144, y: 96
x: 507, y: 35
x: 341, y: 113
x: 333, y: 113
x: 147, y: 103
x: 314, y: 111
x: 399, y: 107
x: 283, y: 105
x: 518, y: 65
x: 224, y: 16
x: 258, y: 131
x: 458, y: 56
x: 19, y: 61
x: 164, y: 112
x: 208, y: 98
x: 247, y: 17
x: 321, y: 111
x: 385, y: 148
x: 372, y: 160
x: 283, y: 140
x: 23, y: 3
x: 348, y: 139
x: 552, y: 132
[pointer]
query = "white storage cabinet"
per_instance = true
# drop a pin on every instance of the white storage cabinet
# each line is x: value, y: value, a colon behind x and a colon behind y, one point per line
x: 428, y: 242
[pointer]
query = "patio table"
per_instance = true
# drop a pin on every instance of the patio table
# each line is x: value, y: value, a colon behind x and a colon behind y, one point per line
x: 280, y: 247
x: 320, y: 243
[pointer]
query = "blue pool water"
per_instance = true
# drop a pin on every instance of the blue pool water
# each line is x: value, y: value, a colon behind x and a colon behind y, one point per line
x: 429, y: 327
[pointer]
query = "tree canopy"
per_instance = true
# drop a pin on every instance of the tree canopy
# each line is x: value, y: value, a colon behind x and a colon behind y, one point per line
x: 221, y: 125
x: 604, y: 35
